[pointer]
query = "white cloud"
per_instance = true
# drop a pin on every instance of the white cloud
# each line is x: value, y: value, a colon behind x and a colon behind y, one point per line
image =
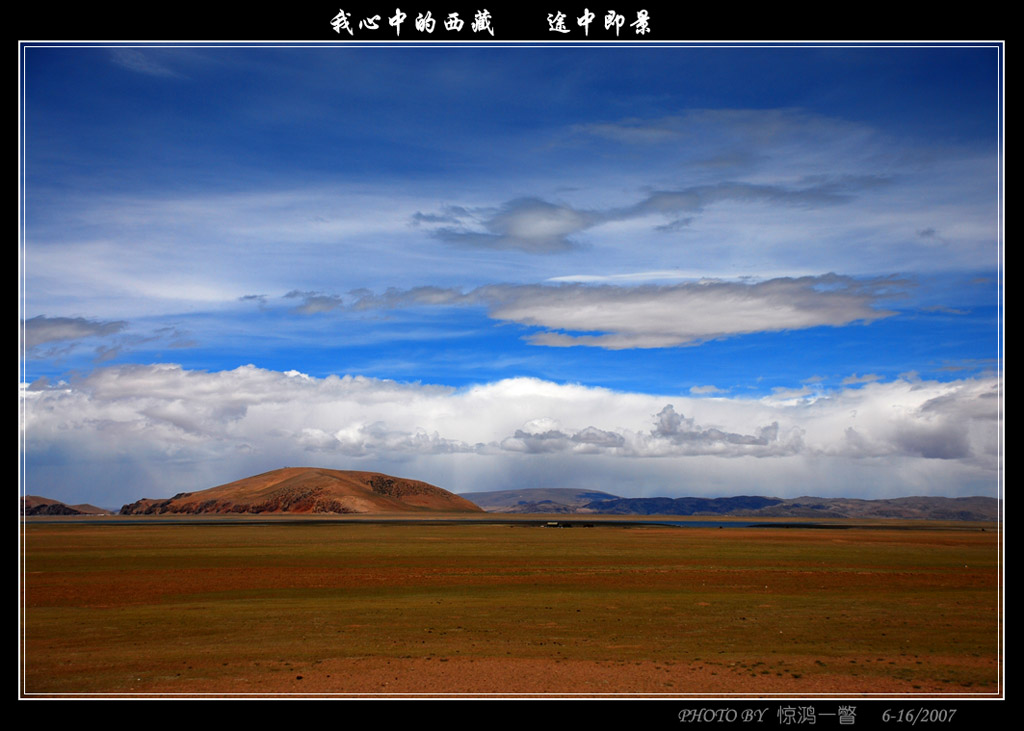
x: 187, y: 426
x: 700, y: 390
x: 682, y: 314
x: 866, y: 378
x: 659, y: 316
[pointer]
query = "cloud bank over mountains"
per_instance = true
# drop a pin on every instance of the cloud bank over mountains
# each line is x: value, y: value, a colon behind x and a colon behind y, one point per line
x: 173, y: 418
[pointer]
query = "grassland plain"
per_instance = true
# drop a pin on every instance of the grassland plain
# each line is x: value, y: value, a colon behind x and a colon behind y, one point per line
x: 475, y: 608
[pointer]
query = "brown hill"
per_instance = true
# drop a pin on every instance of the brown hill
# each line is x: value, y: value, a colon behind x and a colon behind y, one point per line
x: 311, y: 490
x: 88, y: 509
x: 36, y: 505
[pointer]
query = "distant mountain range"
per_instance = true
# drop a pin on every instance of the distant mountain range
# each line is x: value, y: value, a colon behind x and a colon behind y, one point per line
x: 315, y: 490
x: 564, y: 500
x: 537, y: 500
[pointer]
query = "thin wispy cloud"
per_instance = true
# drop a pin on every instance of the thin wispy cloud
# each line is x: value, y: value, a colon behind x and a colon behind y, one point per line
x: 142, y: 62
x: 314, y: 302
x: 540, y: 227
x: 701, y: 390
x: 42, y: 329
x: 866, y: 378
x: 528, y: 224
x: 646, y: 316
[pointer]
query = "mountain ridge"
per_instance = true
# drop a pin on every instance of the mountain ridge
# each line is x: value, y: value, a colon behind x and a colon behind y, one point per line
x: 913, y: 507
x: 536, y: 499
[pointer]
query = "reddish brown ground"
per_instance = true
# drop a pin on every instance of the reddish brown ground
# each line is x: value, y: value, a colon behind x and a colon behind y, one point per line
x: 461, y: 676
x: 474, y: 609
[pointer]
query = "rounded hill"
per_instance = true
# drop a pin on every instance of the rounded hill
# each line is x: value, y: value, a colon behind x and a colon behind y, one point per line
x: 311, y: 490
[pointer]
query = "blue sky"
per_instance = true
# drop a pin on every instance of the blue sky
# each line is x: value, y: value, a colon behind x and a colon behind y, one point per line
x: 497, y: 266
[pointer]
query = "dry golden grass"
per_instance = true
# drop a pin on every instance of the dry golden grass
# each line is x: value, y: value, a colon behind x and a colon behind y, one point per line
x: 357, y: 608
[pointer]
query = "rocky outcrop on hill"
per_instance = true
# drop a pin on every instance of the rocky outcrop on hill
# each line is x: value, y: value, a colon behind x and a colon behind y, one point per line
x: 310, y: 490
x: 47, y: 507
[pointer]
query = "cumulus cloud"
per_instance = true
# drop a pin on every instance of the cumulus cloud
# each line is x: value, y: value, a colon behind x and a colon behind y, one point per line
x: 249, y: 419
x: 943, y: 440
x: 368, y: 440
x: 675, y: 434
x: 594, y: 438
